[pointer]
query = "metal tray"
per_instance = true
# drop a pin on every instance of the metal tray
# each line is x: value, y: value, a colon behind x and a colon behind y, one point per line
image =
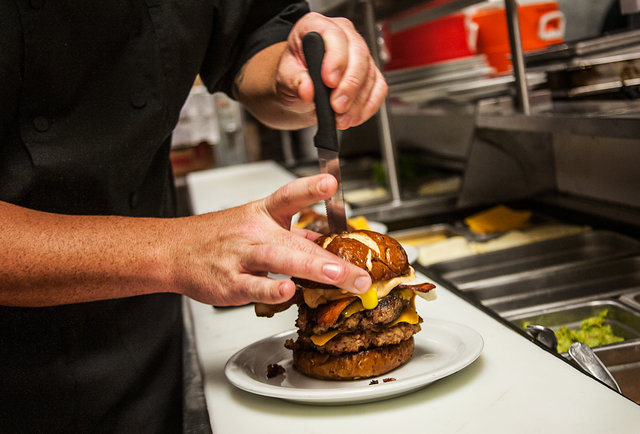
x: 621, y: 358
x: 489, y: 269
x: 585, y: 282
x: 624, y: 321
x: 632, y: 299
x: 623, y: 361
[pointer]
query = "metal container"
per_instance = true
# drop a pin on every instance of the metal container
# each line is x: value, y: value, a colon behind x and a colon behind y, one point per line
x: 624, y: 321
x: 589, y: 281
x: 623, y: 361
x: 543, y: 258
x: 632, y: 299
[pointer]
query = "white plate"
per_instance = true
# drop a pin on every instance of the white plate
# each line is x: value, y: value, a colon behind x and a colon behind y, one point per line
x: 441, y: 349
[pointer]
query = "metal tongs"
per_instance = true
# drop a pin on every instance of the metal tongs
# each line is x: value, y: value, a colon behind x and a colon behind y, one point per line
x: 581, y: 353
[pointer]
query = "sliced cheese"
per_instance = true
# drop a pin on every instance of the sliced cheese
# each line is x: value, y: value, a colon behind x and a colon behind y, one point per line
x: 408, y: 315
x: 322, y: 339
x: 498, y: 219
x: 451, y: 248
x: 359, y: 223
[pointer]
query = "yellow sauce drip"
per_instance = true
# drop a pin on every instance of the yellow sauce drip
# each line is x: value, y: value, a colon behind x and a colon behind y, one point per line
x: 370, y: 298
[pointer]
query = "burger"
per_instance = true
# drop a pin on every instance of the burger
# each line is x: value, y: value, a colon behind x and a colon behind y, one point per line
x: 343, y: 336
x: 312, y: 220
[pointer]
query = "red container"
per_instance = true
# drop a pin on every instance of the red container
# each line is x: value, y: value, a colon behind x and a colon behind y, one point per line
x: 446, y: 38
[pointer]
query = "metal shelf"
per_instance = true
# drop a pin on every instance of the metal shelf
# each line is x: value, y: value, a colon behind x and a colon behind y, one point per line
x: 385, y: 9
x: 619, y: 119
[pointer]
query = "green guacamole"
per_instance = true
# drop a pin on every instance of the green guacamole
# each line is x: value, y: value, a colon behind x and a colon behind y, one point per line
x: 593, y: 332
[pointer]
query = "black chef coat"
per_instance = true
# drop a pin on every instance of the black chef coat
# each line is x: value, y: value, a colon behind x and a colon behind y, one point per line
x: 89, y: 94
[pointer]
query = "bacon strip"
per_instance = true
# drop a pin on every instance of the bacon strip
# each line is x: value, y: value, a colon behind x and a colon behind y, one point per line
x: 268, y: 310
x: 327, y: 314
x: 420, y: 287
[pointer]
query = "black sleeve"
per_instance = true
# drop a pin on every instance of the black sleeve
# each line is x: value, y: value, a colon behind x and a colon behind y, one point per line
x: 10, y: 67
x: 242, y: 28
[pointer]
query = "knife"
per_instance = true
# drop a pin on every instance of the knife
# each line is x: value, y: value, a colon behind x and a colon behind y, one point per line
x: 326, y: 138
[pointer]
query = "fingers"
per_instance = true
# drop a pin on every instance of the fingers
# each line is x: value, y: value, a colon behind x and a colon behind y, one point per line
x: 358, y: 86
x: 223, y: 258
x: 311, y: 262
x: 300, y: 193
x: 266, y: 290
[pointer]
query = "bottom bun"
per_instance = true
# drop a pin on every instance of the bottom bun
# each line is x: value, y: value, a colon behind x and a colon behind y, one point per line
x: 352, y: 366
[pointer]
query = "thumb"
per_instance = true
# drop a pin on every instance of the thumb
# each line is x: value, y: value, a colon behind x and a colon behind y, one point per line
x: 297, y: 194
x: 293, y: 80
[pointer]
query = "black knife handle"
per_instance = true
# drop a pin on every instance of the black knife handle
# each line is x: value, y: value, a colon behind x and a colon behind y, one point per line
x: 326, y: 137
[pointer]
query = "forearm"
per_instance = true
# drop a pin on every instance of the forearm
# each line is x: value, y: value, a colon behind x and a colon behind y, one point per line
x: 255, y: 88
x: 52, y: 259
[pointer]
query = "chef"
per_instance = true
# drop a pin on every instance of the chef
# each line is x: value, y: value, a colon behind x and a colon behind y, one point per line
x: 92, y: 266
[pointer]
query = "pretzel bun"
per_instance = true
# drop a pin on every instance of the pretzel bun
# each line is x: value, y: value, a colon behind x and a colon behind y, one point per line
x: 383, y: 257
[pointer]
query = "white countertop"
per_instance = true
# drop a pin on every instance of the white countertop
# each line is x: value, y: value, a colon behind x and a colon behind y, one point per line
x: 513, y: 387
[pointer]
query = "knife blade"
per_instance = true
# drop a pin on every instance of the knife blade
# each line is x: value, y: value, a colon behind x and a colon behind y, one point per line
x: 326, y: 138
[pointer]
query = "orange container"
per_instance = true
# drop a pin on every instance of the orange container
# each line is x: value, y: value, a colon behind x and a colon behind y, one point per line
x: 541, y: 24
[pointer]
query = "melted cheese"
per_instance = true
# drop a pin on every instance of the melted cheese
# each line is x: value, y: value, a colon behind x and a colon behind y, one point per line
x: 315, y: 297
x: 409, y: 315
x: 353, y: 308
x: 322, y: 339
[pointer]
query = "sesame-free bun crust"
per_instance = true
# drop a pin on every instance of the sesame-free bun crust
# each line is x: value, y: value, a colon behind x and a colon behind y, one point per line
x: 352, y: 366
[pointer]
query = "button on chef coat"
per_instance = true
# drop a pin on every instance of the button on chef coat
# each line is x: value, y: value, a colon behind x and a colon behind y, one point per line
x: 90, y: 94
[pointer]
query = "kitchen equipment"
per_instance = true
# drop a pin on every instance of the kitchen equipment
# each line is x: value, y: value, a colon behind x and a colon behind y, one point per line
x: 541, y: 24
x: 450, y: 37
x: 632, y: 299
x: 490, y: 270
x: 598, y: 75
x: 326, y: 138
x: 557, y: 287
x: 544, y: 335
x: 584, y: 356
x: 623, y: 361
x: 624, y: 321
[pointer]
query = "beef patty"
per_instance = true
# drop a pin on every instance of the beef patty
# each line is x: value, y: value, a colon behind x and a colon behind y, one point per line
x: 388, y: 310
x: 358, y: 341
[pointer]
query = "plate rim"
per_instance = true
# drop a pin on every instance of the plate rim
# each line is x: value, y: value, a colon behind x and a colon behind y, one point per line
x: 237, y: 378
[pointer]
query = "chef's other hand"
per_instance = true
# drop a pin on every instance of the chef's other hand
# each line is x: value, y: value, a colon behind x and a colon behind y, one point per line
x: 358, y: 87
x: 223, y: 258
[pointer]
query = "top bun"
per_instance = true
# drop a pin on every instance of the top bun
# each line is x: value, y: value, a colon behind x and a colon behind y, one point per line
x: 381, y: 255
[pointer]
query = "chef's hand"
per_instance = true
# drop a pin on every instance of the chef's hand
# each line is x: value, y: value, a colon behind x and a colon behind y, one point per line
x: 227, y: 255
x: 358, y: 87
